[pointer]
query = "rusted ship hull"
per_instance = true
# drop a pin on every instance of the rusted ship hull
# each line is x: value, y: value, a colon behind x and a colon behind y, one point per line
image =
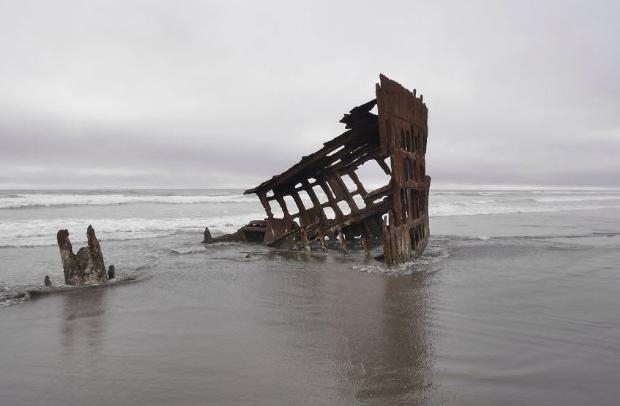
x: 394, y: 215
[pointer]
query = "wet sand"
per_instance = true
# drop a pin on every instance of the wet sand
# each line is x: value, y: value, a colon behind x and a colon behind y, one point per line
x: 526, y: 313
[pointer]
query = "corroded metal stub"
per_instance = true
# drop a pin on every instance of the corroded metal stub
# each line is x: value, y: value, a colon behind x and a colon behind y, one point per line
x: 87, y: 265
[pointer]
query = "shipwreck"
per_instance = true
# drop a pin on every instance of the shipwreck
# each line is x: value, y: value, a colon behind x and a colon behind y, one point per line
x: 321, y: 198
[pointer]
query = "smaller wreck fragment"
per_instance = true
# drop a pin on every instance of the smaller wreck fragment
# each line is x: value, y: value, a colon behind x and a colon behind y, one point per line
x: 85, y: 267
x: 322, y: 197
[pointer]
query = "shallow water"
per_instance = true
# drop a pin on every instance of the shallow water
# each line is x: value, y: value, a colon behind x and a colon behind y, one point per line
x: 516, y: 308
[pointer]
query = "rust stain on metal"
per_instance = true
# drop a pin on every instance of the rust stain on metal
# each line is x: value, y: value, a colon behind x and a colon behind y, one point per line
x: 394, y: 214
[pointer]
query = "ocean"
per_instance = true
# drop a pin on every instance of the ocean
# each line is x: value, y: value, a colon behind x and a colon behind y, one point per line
x: 516, y: 300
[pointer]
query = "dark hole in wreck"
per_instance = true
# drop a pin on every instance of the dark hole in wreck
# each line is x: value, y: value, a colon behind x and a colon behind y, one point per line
x: 336, y: 205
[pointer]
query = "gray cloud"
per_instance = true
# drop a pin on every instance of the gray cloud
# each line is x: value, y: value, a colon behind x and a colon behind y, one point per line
x: 215, y: 94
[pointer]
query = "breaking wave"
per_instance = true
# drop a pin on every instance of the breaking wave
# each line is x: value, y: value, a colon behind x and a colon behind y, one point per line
x: 586, y: 198
x: 24, y: 200
x: 436, y: 251
x: 473, y: 209
x: 14, y: 294
x: 467, y: 203
x: 37, y: 230
x: 10, y: 295
x: 32, y: 233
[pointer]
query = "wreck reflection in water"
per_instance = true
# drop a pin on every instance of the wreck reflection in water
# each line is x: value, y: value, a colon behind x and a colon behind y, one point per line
x: 389, y: 354
x: 83, y: 321
x: 369, y: 334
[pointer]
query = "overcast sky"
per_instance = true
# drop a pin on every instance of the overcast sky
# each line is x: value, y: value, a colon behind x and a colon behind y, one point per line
x: 226, y: 93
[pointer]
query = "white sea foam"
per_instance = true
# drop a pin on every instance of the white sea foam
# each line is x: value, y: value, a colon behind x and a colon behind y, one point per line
x: 52, y: 199
x: 41, y: 232
x: 442, y: 209
x: 579, y: 198
x: 463, y: 203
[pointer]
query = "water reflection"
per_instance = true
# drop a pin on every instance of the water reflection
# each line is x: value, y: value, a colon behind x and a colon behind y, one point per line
x: 365, y: 335
x: 387, y: 349
x: 83, y: 321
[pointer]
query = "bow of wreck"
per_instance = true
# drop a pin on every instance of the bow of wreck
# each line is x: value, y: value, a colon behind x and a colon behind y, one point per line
x: 322, y: 198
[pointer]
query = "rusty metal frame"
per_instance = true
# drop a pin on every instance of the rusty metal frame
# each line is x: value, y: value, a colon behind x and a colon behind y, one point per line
x: 396, y: 213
